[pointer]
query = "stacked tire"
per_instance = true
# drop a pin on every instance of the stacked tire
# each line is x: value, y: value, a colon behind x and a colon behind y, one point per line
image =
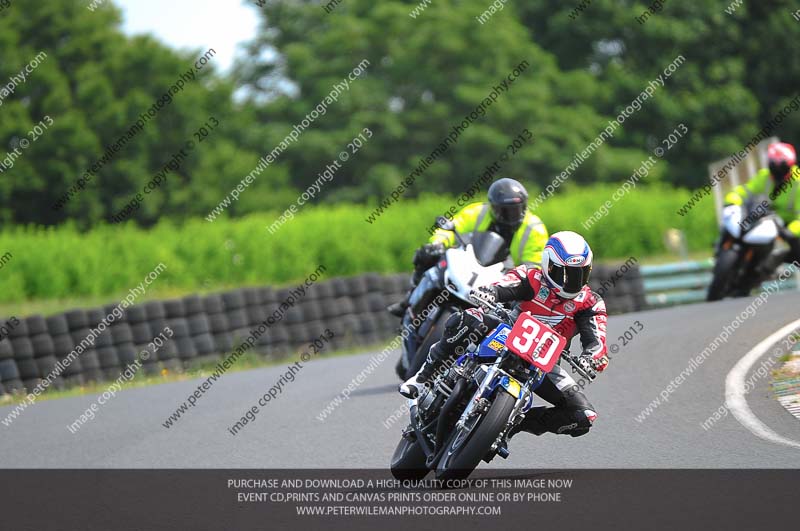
x: 108, y: 363
x: 64, y: 344
x: 199, y: 331
x: 276, y: 341
x: 204, y: 328
x: 141, y: 336
x: 10, y: 380
x: 22, y: 347
x: 625, y: 294
x: 122, y: 344
x: 257, y: 300
x: 235, y: 310
x: 44, y: 350
x: 159, y: 314
x: 89, y: 359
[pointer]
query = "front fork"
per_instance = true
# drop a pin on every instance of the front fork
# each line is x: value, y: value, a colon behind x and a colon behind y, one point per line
x: 479, y: 404
x: 523, y: 404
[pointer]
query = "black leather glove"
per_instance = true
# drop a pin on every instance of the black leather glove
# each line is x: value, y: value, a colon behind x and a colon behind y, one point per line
x: 586, y: 363
x: 484, y: 294
x: 596, y: 364
x: 427, y: 255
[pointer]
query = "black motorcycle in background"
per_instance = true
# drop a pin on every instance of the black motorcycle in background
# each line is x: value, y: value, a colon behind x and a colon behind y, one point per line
x: 748, y: 237
x: 475, y: 261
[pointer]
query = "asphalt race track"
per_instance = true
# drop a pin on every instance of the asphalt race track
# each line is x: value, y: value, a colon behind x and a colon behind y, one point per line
x: 128, y: 431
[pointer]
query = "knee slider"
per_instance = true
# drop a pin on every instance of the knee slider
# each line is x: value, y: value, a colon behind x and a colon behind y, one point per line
x: 453, y: 322
x: 584, y: 419
x: 458, y: 328
x: 573, y: 421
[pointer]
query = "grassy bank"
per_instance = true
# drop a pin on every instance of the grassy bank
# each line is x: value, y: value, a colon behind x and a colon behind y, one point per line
x: 64, y: 263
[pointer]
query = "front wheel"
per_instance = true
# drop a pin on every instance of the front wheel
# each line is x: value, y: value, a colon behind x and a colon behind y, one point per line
x: 408, y: 461
x: 467, y: 446
x: 724, y: 271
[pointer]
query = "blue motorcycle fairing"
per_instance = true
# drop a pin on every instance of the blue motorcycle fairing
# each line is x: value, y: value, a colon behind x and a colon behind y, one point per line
x: 512, y: 386
x: 494, y: 342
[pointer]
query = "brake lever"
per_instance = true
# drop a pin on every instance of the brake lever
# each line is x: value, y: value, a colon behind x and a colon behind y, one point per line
x: 484, y: 305
x: 495, y: 309
x: 502, y: 313
x: 577, y: 368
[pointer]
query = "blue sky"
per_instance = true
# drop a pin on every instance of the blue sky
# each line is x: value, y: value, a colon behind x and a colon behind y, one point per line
x: 193, y: 24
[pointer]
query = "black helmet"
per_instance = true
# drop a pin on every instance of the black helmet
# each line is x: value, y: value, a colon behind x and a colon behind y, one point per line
x: 509, y: 202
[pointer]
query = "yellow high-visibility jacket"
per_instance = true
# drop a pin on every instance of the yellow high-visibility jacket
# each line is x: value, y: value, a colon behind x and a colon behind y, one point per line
x: 785, y: 202
x: 526, y: 245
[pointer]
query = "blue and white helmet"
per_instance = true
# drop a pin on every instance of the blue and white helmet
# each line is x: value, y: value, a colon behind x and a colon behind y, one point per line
x: 566, y: 263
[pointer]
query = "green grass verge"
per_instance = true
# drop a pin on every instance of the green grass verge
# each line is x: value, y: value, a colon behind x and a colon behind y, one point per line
x: 245, y: 362
x: 63, y: 263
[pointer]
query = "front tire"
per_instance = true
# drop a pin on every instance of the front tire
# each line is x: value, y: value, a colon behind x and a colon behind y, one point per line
x: 408, y: 460
x: 462, y: 456
x: 724, y: 269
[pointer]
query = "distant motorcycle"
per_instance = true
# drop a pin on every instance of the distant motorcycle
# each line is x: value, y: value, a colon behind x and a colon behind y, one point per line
x: 474, y: 262
x: 748, y: 236
x: 465, y: 416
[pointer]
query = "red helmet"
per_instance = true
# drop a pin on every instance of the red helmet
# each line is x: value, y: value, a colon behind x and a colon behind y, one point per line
x: 781, y: 158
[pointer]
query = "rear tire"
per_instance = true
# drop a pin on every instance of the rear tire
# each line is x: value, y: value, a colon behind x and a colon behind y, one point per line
x: 724, y: 269
x: 434, y: 334
x: 459, y: 462
x: 408, y: 461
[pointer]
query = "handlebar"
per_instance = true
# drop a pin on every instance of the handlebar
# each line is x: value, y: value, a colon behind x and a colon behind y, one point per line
x: 496, y: 309
x: 578, y: 369
x: 446, y: 224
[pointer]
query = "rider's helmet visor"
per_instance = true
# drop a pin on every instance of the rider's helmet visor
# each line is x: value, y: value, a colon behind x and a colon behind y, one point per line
x: 570, y: 278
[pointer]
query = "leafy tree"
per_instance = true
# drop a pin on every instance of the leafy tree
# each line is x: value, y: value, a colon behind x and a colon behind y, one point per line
x: 94, y: 83
x: 740, y: 69
x: 425, y: 75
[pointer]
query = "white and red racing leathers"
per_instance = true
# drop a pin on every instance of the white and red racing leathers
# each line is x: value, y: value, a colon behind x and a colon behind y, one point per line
x: 585, y: 315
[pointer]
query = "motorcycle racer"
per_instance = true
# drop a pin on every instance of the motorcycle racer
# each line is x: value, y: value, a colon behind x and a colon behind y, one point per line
x: 556, y: 294
x: 505, y: 213
x: 779, y: 182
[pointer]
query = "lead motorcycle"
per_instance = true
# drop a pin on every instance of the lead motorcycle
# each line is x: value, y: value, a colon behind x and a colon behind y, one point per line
x: 476, y: 261
x: 466, y: 415
x: 747, y: 238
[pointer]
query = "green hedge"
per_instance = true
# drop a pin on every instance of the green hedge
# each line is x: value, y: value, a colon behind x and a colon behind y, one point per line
x: 108, y: 260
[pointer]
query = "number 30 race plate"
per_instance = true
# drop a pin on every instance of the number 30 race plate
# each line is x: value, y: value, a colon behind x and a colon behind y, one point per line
x: 535, y: 342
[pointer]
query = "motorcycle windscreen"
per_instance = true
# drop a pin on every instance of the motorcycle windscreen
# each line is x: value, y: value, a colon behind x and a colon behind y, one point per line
x: 756, y: 208
x: 535, y: 342
x: 490, y: 248
x: 494, y: 342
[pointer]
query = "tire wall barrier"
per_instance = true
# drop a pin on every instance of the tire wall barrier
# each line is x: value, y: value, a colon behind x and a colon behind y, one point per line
x: 206, y: 327
x: 621, y: 287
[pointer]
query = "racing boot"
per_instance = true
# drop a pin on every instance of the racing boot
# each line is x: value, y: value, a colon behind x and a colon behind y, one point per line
x: 454, y: 340
x: 561, y: 421
x: 414, y: 386
x: 398, y: 309
x: 531, y: 423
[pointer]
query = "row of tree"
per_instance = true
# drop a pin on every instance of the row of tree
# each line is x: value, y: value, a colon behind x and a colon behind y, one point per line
x: 425, y: 74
